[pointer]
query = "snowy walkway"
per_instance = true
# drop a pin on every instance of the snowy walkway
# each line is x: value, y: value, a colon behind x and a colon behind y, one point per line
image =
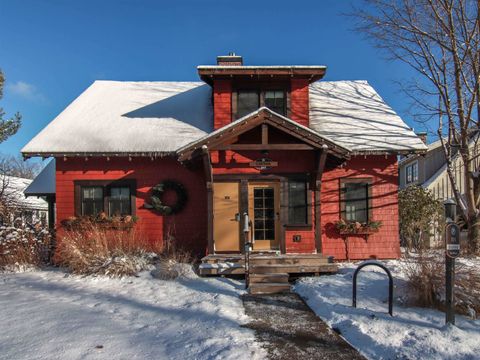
x: 291, y: 331
x: 47, y: 314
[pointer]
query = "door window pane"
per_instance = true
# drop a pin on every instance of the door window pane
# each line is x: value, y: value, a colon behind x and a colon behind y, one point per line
x: 247, y: 102
x: 119, y: 201
x: 297, y: 202
x: 92, y: 200
x: 275, y: 100
x: 264, y: 213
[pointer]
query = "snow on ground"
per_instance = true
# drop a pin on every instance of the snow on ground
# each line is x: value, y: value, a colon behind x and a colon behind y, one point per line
x: 49, y: 314
x: 412, y: 333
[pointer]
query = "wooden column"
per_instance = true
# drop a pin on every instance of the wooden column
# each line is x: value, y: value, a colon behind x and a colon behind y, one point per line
x: 321, y: 159
x: 207, y: 167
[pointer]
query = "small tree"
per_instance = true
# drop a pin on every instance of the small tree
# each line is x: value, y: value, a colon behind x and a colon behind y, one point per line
x: 8, y: 127
x: 420, y: 215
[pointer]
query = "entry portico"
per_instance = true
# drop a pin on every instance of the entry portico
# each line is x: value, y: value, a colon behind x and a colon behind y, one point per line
x: 270, y: 167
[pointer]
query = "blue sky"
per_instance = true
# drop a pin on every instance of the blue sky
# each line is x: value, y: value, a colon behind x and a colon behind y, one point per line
x: 52, y: 50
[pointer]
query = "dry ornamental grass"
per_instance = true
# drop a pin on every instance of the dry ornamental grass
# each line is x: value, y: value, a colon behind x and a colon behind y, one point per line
x: 426, y: 281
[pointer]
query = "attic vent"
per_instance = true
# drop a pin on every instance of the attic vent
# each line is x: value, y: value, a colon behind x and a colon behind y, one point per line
x: 230, y: 60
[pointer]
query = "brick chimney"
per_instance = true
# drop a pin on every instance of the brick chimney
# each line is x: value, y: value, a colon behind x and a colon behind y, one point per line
x: 423, y: 136
x: 230, y: 60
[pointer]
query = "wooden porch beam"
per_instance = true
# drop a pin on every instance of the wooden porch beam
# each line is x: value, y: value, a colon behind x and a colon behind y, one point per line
x: 321, y: 160
x: 207, y: 167
x: 264, y: 134
x: 264, y: 147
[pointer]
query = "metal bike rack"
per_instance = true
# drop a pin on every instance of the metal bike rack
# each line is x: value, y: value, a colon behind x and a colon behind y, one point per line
x: 390, y: 283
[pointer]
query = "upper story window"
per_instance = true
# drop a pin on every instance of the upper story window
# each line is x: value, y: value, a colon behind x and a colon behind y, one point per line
x: 411, y: 173
x: 250, y: 100
x: 275, y: 100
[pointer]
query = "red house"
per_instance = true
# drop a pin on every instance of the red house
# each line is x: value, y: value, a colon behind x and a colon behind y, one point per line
x: 312, y: 162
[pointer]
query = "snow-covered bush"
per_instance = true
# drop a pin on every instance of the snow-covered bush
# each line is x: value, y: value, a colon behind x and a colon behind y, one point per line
x: 94, y: 249
x: 173, y: 262
x: 22, y: 244
x: 426, y: 281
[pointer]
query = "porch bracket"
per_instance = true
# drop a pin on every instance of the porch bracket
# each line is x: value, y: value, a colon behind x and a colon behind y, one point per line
x: 322, y: 158
x: 207, y: 167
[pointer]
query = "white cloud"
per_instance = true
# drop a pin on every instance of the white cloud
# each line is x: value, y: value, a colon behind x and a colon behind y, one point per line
x: 25, y: 90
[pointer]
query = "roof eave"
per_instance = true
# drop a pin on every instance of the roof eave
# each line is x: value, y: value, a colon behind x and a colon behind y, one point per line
x: 67, y: 154
x: 313, y: 73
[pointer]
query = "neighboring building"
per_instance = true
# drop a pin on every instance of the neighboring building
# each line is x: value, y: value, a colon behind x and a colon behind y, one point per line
x: 295, y: 153
x: 44, y: 186
x: 29, y: 209
x: 417, y: 169
x: 429, y: 170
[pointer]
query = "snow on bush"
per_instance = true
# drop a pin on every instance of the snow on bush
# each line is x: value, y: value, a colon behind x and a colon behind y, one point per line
x: 23, y: 245
x: 93, y: 249
x: 173, y: 262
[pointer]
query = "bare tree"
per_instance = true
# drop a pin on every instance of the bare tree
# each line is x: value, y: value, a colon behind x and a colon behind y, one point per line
x: 15, y: 166
x: 440, y: 40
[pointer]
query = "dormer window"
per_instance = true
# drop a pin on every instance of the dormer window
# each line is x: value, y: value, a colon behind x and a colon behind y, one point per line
x: 249, y: 100
x: 275, y: 101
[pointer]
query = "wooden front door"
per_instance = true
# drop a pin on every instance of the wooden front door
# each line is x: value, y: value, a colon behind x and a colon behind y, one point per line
x: 226, y: 231
x: 264, y: 211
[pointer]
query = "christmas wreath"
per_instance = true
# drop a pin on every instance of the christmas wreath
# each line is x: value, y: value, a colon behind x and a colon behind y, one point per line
x: 157, y: 194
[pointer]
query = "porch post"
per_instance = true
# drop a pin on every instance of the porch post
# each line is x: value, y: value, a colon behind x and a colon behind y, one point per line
x: 321, y: 159
x: 207, y: 166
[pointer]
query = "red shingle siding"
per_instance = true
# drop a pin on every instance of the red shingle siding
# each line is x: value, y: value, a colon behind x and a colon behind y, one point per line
x: 188, y: 227
x: 222, y: 103
x: 384, y: 175
x: 299, y: 109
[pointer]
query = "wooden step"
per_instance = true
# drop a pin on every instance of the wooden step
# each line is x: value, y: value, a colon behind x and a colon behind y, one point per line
x: 269, y: 278
x: 268, y: 288
x: 288, y: 261
x: 293, y: 269
x: 221, y: 269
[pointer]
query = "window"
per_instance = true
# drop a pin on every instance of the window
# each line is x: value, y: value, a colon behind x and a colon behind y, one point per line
x: 297, y: 202
x: 92, y: 200
x: 248, y: 101
x: 115, y: 198
x: 355, y: 200
x: 412, y: 172
x: 275, y: 100
x: 119, y: 201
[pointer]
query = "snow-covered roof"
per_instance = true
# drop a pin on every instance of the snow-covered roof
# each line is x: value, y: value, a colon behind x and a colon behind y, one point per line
x: 353, y: 114
x: 128, y: 117
x: 13, y: 188
x: 145, y: 118
x: 44, y: 182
